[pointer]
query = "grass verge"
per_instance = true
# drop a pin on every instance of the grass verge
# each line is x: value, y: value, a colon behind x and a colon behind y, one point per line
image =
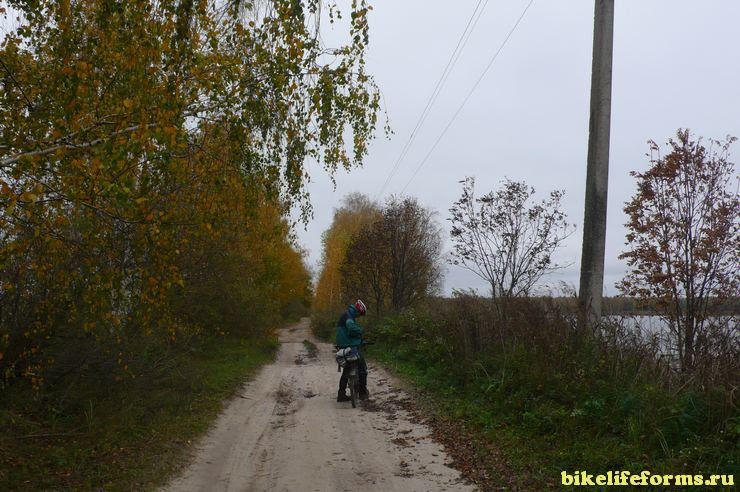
x: 496, y: 445
x: 127, y: 436
x: 536, y: 424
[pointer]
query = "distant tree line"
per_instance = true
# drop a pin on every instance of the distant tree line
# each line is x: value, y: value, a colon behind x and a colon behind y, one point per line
x: 390, y: 256
x: 683, y: 249
x: 625, y: 305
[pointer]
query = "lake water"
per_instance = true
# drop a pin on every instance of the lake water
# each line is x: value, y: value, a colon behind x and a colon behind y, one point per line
x: 724, y: 331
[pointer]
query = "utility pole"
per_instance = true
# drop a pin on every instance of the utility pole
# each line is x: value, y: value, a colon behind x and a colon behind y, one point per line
x: 597, y: 173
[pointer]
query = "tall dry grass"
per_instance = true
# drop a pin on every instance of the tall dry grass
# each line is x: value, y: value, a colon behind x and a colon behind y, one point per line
x: 606, y: 394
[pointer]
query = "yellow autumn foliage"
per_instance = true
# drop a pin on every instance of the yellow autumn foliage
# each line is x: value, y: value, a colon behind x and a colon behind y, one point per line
x: 355, y: 213
x: 150, y: 153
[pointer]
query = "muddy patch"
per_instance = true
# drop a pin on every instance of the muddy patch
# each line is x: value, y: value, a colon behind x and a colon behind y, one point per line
x: 286, y: 401
x: 312, y: 351
x: 392, y: 405
x: 465, y: 451
x: 370, y: 405
x: 402, y: 442
x: 405, y: 470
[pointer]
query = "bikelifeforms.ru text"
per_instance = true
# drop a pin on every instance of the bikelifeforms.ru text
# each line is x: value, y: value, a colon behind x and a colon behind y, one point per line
x: 621, y: 478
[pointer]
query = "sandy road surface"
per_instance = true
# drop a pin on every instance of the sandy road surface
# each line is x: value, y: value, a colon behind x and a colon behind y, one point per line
x: 286, y: 432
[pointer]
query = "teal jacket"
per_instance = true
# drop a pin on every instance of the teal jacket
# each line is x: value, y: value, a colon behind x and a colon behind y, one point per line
x: 349, y: 333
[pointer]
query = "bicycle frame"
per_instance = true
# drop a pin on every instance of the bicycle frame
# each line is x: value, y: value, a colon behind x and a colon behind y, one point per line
x: 352, y: 381
x: 352, y: 376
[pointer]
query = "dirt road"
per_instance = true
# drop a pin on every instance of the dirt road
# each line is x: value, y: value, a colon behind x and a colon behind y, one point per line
x: 286, y: 432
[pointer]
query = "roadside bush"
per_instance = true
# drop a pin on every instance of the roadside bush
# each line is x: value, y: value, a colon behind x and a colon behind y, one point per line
x: 323, y: 323
x: 146, y: 179
x: 577, y: 399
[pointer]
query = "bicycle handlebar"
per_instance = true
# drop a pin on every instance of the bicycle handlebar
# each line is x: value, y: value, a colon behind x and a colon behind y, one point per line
x: 337, y: 347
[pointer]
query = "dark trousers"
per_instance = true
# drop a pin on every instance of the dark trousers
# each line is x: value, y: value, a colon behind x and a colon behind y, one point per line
x: 361, y: 373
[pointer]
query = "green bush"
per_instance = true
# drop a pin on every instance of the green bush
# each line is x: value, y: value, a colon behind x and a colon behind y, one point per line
x: 100, y: 434
x: 323, y: 324
x: 559, y: 396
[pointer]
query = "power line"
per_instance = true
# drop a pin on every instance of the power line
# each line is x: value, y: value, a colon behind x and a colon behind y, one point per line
x: 435, y: 93
x: 475, y: 86
x: 470, y: 32
x: 462, y: 41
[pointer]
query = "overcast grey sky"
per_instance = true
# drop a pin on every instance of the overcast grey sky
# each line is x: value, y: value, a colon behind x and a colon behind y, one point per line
x: 676, y: 64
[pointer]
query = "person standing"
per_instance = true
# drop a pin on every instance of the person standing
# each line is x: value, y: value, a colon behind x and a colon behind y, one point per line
x: 349, y: 334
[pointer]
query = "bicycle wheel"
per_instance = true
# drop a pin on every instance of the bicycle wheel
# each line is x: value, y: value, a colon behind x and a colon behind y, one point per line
x: 352, y: 380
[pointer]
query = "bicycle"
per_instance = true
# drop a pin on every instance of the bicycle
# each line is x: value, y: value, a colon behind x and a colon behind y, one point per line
x: 347, y: 359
